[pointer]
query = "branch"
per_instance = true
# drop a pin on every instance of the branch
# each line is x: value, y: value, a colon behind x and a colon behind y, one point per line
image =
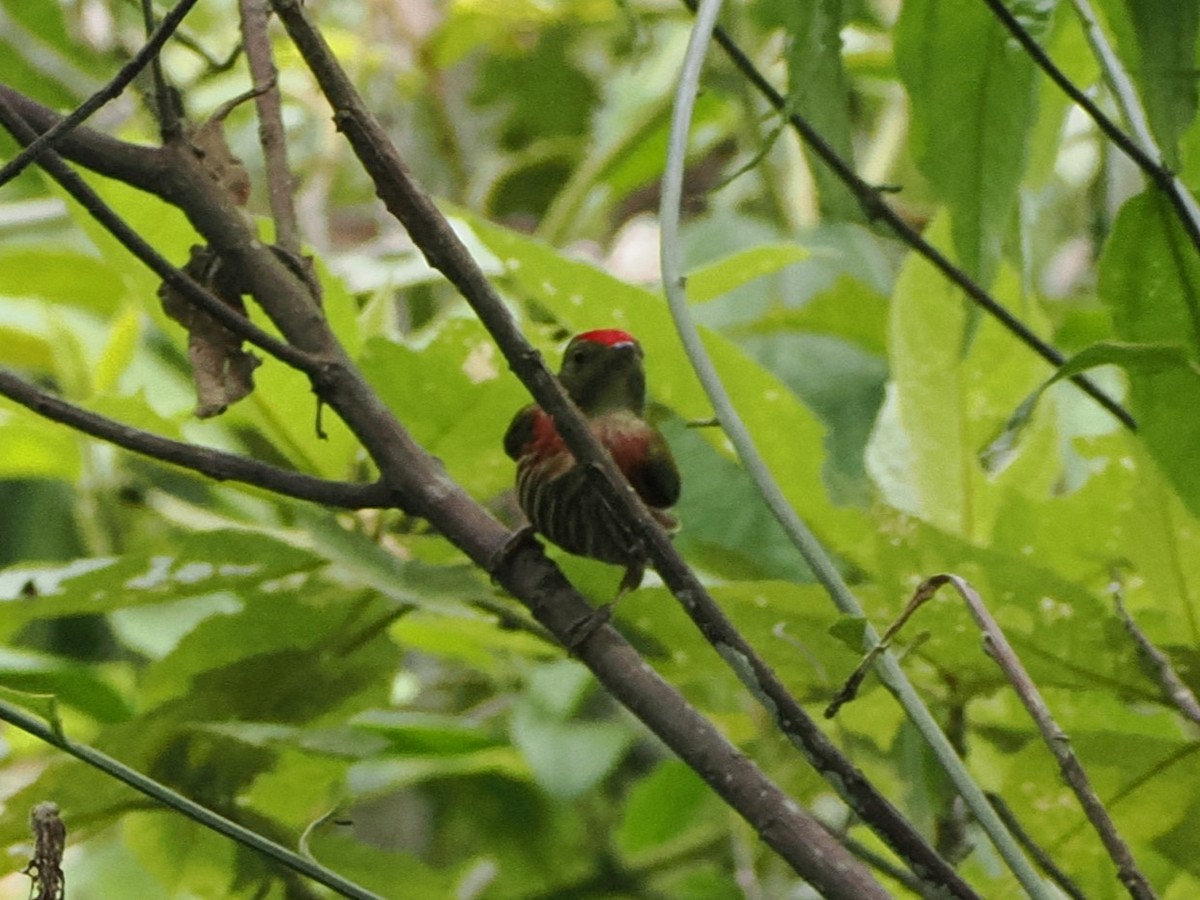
x: 216, y: 464
x: 997, y: 647
x: 1143, y: 153
x: 1173, y: 687
x: 877, y: 209
x: 442, y: 248
x: 270, y: 123
x: 52, y: 735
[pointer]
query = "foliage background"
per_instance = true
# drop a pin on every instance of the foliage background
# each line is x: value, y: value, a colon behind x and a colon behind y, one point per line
x: 278, y: 662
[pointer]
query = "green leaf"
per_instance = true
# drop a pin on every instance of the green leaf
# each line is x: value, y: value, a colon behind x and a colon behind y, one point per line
x: 567, y: 758
x: 718, y: 278
x: 61, y: 276
x: 420, y: 734
x: 32, y: 447
x: 851, y: 631
x: 203, y: 564
x: 663, y: 807
x: 972, y: 96
x: 1159, y: 47
x: 849, y: 309
x: 453, y: 395
x: 818, y: 86
x: 1150, y: 280
x: 445, y: 587
x: 949, y: 396
x: 73, y: 684
x: 119, y: 351
x: 1147, y: 359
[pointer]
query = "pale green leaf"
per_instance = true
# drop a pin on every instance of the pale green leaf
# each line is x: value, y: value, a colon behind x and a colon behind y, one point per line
x: 718, y: 278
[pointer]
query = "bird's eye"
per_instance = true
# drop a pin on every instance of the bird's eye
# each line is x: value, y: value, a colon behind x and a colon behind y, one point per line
x: 578, y: 355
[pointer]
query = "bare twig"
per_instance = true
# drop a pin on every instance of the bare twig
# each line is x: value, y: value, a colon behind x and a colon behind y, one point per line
x: 997, y: 647
x: 169, y: 124
x: 49, y: 841
x: 877, y: 209
x: 445, y: 251
x: 216, y: 464
x: 280, y: 183
x: 1173, y: 687
x: 48, y: 138
x: 1144, y: 153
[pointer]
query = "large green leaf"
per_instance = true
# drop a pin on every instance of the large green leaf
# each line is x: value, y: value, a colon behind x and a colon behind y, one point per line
x: 952, y: 388
x: 452, y: 394
x: 971, y: 90
x: 203, y: 564
x: 818, y: 85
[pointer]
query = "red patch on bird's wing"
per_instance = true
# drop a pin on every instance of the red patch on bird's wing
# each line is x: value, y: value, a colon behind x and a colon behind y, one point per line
x: 607, y: 336
x: 545, y: 439
x: 628, y: 447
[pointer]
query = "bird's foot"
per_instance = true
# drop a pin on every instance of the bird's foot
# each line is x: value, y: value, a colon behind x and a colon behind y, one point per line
x: 509, y: 548
x: 602, y: 615
x: 581, y: 631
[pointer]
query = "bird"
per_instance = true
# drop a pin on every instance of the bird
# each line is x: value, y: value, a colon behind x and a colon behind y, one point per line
x: 602, y: 372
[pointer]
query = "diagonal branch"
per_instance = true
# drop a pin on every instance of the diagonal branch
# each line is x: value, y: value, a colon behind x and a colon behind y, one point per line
x: 216, y: 464
x: 877, y: 209
x: 433, y: 235
x: 1142, y: 152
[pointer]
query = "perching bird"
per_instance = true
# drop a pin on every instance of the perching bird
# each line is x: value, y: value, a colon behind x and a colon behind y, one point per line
x: 602, y: 372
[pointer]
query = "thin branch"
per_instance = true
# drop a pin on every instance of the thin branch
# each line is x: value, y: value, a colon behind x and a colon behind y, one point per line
x: 1173, y: 687
x: 16, y: 123
x: 17, y: 717
x: 216, y: 464
x: 997, y: 647
x: 169, y: 124
x: 877, y: 209
x: 801, y: 536
x: 280, y: 182
x: 1146, y: 154
x: 445, y: 251
x: 48, y: 138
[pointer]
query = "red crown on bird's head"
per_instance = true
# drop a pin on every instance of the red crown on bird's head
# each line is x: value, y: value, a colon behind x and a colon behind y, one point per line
x: 609, y: 337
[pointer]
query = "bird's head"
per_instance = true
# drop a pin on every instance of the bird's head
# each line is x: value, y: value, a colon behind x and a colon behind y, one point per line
x: 602, y: 371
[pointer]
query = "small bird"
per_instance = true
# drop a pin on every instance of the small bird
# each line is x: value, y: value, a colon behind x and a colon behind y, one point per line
x: 602, y: 373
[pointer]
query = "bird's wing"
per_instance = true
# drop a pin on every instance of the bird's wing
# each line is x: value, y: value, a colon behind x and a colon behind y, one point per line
x: 520, y: 431
x: 654, y: 475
